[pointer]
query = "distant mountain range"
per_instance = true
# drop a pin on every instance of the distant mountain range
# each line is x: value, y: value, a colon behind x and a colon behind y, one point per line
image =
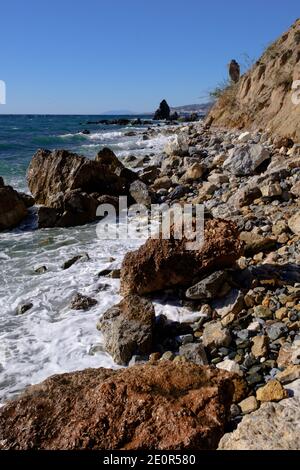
x: 202, y: 108
x: 120, y: 112
x: 186, y: 109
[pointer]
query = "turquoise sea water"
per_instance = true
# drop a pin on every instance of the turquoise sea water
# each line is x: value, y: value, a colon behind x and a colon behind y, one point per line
x: 21, y: 136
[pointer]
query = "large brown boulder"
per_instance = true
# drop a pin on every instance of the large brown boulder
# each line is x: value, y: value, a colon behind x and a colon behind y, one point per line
x: 127, y: 328
x: 164, y: 405
x: 13, y: 206
x: 160, y: 264
x: 70, y: 186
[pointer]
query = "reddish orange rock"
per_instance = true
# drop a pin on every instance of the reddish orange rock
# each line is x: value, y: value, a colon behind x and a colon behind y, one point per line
x: 164, y: 405
x: 160, y: 264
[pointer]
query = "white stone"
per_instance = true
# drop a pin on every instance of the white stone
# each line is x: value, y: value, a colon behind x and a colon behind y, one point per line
x: 244, y: 137
x: 254, y: 326
x: 230, y: 366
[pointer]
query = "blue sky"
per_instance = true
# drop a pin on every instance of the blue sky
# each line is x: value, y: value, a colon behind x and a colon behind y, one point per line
x: 74, y: 56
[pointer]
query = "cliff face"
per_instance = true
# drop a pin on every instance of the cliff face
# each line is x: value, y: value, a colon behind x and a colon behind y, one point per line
x: 262, y: 98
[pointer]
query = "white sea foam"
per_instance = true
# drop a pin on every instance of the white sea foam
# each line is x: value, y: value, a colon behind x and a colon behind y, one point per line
x: 105, y: 135
x: 51, y: 338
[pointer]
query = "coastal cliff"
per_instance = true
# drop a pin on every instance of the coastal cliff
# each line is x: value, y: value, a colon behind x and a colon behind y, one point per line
x: 262, y: 98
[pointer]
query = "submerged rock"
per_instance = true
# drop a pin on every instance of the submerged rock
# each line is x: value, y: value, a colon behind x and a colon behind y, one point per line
x: 82, y: 257
x: 82, y: 302
x: 163, y: 406
x: 23, y: 308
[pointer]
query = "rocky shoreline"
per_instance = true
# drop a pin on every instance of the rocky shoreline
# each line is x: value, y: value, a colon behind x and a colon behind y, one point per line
x: 242, y: 289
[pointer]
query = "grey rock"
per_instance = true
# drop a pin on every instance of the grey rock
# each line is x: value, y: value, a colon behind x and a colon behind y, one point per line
x: 209, y: 287
x: 40, y: 270
x: 277, y: 330
x: 244, y: 160
x: 194, y: 352
x: 24, y: 308
x: 82, y: 257
x: 140, y: 193
x: 232, y: 303
x: 215, y: 336
x: 127, y: 328
x: 82, y: 302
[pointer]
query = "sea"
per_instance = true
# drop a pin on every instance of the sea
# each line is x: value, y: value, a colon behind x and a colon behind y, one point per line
x: 51, y: 338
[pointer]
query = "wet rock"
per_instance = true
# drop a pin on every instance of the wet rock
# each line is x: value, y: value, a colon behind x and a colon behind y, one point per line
x: 82, y: 257
x: 27, y: 199
x: 140, y: 193
x: 115, y: 273
x: 244, y: 160
x: 127, y: 328
x: 68, y: 185
x: 160, y: 264
x: 47, y: 217
x: 215, y: 336
x: 209, y: 287
x: 82, y: 302
x: 23, y: 308
x: 272, y: 391
x: 149, y: 174
x: 194, y: 352
x: 40, y: 270
x: 278, y: 426
x: 166, y: 406
x: 12, y: 207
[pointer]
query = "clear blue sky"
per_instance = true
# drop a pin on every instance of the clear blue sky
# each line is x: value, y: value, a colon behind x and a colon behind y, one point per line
x: 75, y: 56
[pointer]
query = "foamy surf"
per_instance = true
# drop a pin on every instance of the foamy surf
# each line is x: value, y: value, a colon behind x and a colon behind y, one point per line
x: 50, y: 337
